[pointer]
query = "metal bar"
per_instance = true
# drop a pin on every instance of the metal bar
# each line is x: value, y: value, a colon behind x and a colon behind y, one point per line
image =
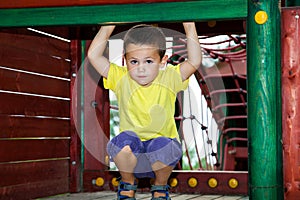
x: 125, y: 13
x: 264, y: 100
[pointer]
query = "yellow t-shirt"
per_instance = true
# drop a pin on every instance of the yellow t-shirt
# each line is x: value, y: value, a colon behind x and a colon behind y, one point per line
x: 147, y: 111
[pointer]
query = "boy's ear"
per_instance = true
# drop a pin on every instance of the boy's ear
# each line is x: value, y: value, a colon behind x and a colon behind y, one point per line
x: 164, y: 60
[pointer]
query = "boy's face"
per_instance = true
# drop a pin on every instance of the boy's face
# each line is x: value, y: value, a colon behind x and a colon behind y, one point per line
x: 143, y: 63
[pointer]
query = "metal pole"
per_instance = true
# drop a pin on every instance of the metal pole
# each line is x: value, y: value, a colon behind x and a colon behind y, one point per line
x: 264, y: 100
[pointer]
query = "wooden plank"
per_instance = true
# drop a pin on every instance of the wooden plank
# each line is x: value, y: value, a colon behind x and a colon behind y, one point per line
x: 124, y: 13
x: 36, y: 43
x: 108, y: 195
x: 290, y: 101
x: 34, y: 190
x: 185, y: 197
x: 23, y: 82
x: 75, y: 125
x: 18, y: 127
x: 33, y: 149
x: 96, y: 119
x: 24, y: 59
x: 264, y: 102
x: 17, y: 104
x: 49, y: 3
x: 21, y: 173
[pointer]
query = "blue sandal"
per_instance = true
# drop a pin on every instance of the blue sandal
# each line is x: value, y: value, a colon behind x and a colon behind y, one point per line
x: 123, y: 186
x: 160, y: 189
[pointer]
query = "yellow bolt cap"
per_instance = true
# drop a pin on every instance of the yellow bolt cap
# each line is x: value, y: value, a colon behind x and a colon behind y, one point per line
x: 233, y: 183
x: 114, y: 182
x: 173, y: 182
x: 99, y: 181
x: 261, y: 17
x: 192, y: 182
x: 212, y: 182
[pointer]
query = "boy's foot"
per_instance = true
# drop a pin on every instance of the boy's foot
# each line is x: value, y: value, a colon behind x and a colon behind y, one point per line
x: 126, y: 191
x: 160, y: 192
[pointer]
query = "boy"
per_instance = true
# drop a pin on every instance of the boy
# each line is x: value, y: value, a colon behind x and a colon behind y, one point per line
x: 146, y: 89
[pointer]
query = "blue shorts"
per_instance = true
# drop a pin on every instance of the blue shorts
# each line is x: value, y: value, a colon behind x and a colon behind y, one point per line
x: 165, y: 150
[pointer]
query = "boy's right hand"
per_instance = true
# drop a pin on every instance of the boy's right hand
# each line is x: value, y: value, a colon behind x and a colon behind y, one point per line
x: 107, y: 29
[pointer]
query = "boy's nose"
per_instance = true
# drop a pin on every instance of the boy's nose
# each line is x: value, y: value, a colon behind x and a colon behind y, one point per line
x: 141, y: 68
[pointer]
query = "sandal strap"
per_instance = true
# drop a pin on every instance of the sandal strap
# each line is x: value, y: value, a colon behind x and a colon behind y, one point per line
x: 155, y: 188
x: 160, y: 189
x: 124, y: 186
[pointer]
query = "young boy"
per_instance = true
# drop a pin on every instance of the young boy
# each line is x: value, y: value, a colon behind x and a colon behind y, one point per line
x: 146, y: 89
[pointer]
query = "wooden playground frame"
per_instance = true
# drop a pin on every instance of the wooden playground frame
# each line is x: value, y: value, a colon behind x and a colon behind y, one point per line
x: 265, y: 153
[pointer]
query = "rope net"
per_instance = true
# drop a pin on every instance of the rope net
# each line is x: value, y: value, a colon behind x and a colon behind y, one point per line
x: 214, y: 118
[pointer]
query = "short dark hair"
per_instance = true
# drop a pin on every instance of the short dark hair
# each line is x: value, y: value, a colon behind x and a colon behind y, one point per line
x: 146, y: 34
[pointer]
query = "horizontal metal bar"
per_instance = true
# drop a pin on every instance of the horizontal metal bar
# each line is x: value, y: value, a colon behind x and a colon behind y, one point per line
x: 125, y: 13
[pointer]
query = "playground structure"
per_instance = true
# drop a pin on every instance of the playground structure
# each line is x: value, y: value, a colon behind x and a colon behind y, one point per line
x: 42, y: 150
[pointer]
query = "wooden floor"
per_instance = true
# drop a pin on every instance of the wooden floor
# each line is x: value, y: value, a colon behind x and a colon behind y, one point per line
x: 107, y: 195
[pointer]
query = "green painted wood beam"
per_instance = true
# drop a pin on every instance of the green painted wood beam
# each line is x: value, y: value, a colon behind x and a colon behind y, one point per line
x: 125, y: 13
x: 264, y: 100
x: 292, y: 3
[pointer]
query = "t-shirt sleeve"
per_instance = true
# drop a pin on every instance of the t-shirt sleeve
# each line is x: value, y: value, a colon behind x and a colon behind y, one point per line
x: 182, y: 85
x: 115, y: 73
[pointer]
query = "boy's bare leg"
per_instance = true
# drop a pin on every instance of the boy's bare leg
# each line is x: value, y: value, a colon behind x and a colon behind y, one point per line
x: 162, y: 174
x: 126, y: 162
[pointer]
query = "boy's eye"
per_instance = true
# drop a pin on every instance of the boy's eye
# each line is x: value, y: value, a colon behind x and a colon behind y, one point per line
x: 133, y: 62
x: 149, y: 61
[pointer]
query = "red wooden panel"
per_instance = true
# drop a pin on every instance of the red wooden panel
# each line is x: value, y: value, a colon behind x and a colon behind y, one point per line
x: 75, y: 125
x: 182, y: 177
x: 49, y: 3
x: 18, y: 53
x: 23, y: 82
x: 36, y: 43
x: 34, y: 190
x: 33, y: 62
x: 33, y: 171
x: 63, y: 32
x: 18, y: 127
x: 290, y: 101
x: 16, y: 104
x: 22, y: 150
x: 96, y: 119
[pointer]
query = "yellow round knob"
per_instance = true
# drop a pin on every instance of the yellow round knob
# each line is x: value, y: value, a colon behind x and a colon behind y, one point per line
x: 114, y: 182
x: 173, y: 182
x: 261, y: 17
x: 192, y: 182
x: 99, y: 181
x: 212, y: 182
x: 233, y: 183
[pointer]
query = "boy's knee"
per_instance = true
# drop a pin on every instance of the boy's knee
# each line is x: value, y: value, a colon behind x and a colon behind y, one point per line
x: 126, y: 149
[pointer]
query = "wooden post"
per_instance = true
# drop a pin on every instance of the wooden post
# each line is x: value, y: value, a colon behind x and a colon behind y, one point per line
x: 264, y: 100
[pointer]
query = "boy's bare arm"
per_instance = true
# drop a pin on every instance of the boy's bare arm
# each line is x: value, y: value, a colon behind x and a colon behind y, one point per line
x: 193, y: 49
x: 96, y: 49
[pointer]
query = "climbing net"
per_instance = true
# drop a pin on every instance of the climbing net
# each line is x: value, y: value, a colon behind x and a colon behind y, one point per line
x: 214, y: 116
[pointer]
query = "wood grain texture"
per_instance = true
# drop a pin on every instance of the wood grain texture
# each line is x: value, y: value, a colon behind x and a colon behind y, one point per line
x: 264, y: 102
x: 290, y: 101
x: 16, y: 104
x: 125, y: 13
x: 26, y: 127
x: 33, y: 149
x: 34, y: 54
x: 33, y: 172
x: 29, y: 83
x: 50, y: 3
